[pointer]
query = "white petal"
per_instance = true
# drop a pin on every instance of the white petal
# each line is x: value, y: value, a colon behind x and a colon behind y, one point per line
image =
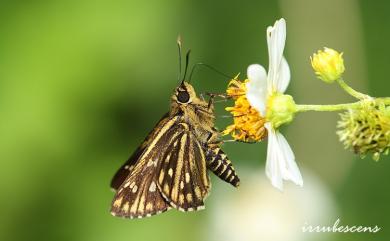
x: 256, y: 73
x: 291, y: 172
x: 284, y: 76
x: 257, y: 87
x: 276, y: 38
x: 272, y: 166
x: 280, y: 163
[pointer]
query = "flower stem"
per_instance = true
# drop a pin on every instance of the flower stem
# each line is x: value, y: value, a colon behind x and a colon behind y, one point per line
x: 351, y: 91
x: 340, y: 107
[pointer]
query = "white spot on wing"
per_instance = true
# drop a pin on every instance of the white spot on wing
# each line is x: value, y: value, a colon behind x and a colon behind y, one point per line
x: 167, y: 158
x: 152, y: 187
x: 150, y: 163
x: 187, y: 177
x: 135, y: 188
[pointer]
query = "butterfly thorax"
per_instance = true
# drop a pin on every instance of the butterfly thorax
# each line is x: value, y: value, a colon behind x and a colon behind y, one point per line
x: 195, y: 112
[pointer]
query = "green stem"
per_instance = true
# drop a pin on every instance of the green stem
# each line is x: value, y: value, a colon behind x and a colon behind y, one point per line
x: 340, y: 107
x: 351, y: 91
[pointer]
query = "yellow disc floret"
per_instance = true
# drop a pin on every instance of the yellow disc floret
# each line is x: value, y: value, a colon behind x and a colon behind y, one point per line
x: 248, y: 124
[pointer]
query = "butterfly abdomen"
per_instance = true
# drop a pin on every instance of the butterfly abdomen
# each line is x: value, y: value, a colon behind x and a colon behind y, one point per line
x: 218, y: 162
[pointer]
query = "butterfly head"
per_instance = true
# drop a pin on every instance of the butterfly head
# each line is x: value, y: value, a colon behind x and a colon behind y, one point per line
x: 184, y: 94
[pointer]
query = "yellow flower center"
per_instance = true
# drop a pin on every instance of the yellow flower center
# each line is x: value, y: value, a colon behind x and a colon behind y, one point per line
x: 248, y: 124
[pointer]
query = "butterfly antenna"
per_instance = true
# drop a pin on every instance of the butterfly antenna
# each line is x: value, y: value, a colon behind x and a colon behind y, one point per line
x: 209, y: 67
x: 187, y: 63
x: 179, y: 48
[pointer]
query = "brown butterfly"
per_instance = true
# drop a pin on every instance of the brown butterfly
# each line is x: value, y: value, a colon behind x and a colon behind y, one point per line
x: 169, y: 169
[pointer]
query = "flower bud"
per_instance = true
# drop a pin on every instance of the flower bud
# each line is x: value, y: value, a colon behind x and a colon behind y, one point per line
x: 328, y: 64
x: 281, y: 109
x: 366, y: 131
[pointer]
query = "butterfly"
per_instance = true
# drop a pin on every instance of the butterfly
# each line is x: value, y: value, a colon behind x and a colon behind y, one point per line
x: 169, y: 169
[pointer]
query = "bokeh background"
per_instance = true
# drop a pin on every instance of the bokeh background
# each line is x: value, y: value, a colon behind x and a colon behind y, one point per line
x: 82, y: 82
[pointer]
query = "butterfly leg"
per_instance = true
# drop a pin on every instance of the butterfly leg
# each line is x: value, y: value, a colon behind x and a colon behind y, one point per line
x: 225, y: 116
x: 223, y: 96
x: 212, y: 100
x: 202, y: 96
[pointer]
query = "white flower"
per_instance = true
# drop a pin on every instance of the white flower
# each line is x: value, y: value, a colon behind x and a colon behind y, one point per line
x: 261, y: 90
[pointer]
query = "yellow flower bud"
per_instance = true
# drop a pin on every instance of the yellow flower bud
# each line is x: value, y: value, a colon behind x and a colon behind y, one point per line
x: 328, y: 64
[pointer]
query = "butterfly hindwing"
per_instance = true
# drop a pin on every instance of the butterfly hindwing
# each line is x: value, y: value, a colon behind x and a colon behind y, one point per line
x: 183, y: 178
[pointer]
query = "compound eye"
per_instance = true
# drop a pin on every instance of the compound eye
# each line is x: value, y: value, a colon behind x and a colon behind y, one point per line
x: 183, y: 96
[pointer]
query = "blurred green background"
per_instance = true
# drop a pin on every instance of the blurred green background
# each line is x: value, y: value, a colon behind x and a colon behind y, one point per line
x: 82, y: 82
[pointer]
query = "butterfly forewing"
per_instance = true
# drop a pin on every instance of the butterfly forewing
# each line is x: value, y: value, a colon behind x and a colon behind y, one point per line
x: 126, y: 168
x: 138, y: 195
x: 183, y: 179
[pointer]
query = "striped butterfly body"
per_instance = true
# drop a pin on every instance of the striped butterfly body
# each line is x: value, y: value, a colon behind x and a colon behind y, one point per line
x: 169, y: 169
